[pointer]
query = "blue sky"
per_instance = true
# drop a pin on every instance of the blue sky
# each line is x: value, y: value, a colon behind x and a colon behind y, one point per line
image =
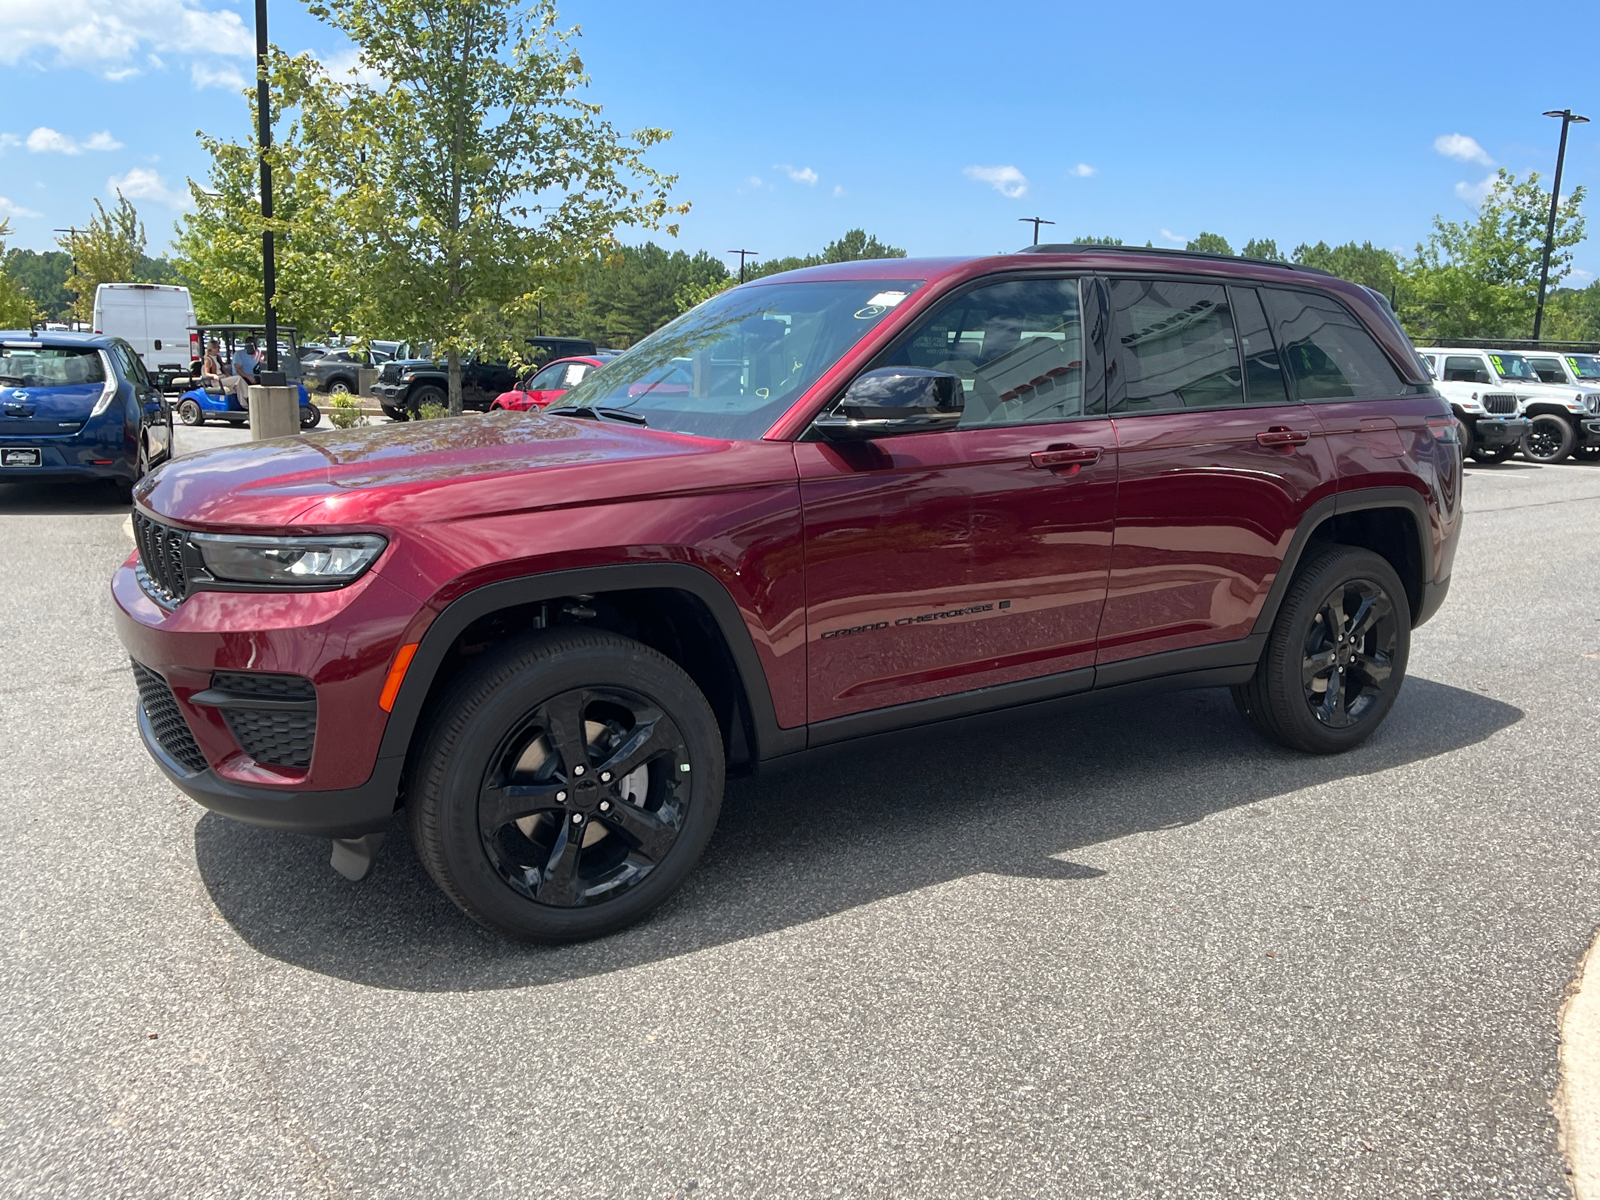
x: 933, y: 125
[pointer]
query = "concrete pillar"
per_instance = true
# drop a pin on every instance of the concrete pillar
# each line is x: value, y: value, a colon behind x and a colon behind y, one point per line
x: 274, y: 412
x: 365, y: 378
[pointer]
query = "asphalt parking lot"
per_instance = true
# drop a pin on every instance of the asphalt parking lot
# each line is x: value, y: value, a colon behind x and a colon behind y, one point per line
x: 1126, y: 951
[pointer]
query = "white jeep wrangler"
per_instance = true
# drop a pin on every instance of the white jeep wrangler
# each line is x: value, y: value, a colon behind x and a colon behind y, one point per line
x: 1580, y: 371
x: 1488, y: 412
x: 1561, y: 418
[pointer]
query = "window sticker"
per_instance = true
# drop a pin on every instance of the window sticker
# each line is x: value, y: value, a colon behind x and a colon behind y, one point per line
x: 1499, y: 367
x: 880, y: 304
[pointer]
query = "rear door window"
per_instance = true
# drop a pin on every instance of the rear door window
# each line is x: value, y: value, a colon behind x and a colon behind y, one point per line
x: 1172, y: 347
x: 1263, y: 372
x: 1330, y: 354
x: 1017, y: 348
x: 1465, y: 368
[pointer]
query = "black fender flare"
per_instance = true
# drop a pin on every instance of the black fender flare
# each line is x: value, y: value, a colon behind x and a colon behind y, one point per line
x: 1358, y: 500
x: 770, y: 738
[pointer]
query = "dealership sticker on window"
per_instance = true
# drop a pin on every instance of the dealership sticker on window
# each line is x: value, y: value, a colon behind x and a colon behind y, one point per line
x: 880, y: 304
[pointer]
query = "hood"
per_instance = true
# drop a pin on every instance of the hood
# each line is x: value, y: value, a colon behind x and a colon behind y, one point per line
x: 418, y: 471
x: 1561, y: 393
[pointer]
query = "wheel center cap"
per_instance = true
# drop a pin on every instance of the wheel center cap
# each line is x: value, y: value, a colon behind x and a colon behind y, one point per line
x: 586, y: 794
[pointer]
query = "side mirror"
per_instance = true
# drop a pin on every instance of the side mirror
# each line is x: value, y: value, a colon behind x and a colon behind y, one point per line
x: 894, y: 400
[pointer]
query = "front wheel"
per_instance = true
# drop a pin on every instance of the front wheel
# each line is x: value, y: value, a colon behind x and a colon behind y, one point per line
x: 1549, y: 439
x: 1336, y: 655
x: 189, y: 413
x: 569, y: 784
x: 1497, y: 455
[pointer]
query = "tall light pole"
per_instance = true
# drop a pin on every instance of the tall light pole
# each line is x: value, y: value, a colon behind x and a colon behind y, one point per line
x: 1567, y: 118
x: 1037, y: 221
x: 742, y: 254
x: 269, y: 269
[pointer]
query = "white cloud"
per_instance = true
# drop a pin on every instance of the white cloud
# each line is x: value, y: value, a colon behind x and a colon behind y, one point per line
x: 1008, y: 181
x: 838, y: 190
x: 8, y: 209
x: 45, y: 140
x: 203, y: 76
x: 1475, y: 193
x: 1082, y: 171
x: 105, y: 37
x: 8, y: 140
x: 1578, y: 276
x: 803, y: 175
x: 347, y: 64
x: 140, y: 184
x: 1461, y: 148
x: 1175, y: 237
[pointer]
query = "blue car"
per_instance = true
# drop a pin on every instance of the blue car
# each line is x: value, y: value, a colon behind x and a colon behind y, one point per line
x: 78, y: 406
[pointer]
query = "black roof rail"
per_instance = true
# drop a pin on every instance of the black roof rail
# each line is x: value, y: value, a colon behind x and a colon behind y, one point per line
x: 1097, y: 248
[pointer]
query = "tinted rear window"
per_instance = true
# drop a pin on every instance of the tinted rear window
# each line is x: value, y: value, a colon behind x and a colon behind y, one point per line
x: 50, y: 366
x: 1330, y: 354
x: 1172, y: 346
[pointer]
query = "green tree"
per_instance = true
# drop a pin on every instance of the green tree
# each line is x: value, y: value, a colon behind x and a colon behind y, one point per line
x: 44, y: 276
x: 17, y: 309
x: 1573, y: 314
x: 1097, y: 241
x: 1262, y: 248
x: 107, y: 251
x: 474, y: 167
x: 1480, y: 278
x: 618, y: 296
x: 1366, y: 264
x: 1210, y: 243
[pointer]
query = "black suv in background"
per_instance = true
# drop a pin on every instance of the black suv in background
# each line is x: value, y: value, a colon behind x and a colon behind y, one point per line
x: 403, y: 387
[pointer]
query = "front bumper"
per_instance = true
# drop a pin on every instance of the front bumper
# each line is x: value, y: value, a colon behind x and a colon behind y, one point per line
x: 1500, y: 431
x: 1591, y: 431
x: 392, y: 392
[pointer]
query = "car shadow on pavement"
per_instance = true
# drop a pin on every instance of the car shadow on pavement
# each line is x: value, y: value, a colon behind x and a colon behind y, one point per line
x: 1012, y: 794
x: 58, y: 498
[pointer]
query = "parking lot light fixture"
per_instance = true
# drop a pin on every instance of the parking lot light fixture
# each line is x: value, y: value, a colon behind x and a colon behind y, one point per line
x: 269, y: 280
x: 1036, y: 222
x: 1568, y: 117
x: 742, y: 255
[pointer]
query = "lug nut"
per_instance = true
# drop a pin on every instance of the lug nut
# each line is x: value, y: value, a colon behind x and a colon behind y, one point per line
x: 577, y: 818
x: 577, y: 770
x: 683, y: 766
x: 561, y: 797
x: 605, y: 776
x: 605, y: 806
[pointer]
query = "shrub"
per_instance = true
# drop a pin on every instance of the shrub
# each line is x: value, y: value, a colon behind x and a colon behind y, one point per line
x: 345, y: 412
x: 431, y: 412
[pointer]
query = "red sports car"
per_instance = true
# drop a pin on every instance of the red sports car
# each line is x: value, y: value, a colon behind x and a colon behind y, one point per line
x: 547, y: 383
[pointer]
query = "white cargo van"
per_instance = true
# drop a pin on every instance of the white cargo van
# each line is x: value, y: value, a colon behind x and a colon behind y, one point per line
x: 156, y: 319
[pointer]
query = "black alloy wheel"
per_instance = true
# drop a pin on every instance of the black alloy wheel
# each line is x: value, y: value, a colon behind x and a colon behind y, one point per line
x: 566, y: 785
x: 585, y: 798
x: 1549, y: 439
x: 1336, y: 655
x: 1349, y: 653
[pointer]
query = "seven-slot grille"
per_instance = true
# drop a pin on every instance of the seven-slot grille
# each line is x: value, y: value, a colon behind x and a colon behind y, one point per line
x: 161, y: 568
x: 1500, y: 402
x: 166, y: 720
x: 280, y: 727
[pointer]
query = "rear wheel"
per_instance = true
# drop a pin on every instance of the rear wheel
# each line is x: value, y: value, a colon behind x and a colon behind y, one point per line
x: 1549, y: 439
x: 310, y: 416
x: 190, y: 414
x: 568, y: 786
x: 338, y: 387
x: 1336, y: 655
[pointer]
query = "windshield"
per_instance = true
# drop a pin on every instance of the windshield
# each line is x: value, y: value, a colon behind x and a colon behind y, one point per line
x: 732, y: 366
x: 49, y: 366
x: 1513, y: 366
x: 1585, y: 366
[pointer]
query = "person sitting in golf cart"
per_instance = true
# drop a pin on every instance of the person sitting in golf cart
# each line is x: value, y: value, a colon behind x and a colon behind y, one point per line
x: 211, y: 367
x: 246, y: 366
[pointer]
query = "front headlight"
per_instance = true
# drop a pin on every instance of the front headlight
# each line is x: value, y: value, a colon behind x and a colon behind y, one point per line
x: 288, y: 561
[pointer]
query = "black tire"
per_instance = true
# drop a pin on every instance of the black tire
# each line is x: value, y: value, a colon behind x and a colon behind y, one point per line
x: 1549, y: 439
x: 310, y: 416
x: 340, y: 387
x: 395, y: 414
x: 190, y: 413
x: 1586, y: 453
x: 1278, y: 701
x: 500, y: 726
x: 1497, y: 455
x: 1469, y: 439
x: 425, y: 395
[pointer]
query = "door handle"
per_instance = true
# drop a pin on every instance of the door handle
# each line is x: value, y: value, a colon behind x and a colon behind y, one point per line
x: 1068, y: 456
x: 1280, y: 435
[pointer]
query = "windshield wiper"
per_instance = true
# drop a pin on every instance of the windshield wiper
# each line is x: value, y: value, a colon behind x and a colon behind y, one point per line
x: 594, y: 414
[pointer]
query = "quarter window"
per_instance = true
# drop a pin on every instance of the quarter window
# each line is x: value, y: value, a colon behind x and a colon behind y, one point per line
x: 1330, y: 354
x: 1017, y: 348
x: 1172, y: 347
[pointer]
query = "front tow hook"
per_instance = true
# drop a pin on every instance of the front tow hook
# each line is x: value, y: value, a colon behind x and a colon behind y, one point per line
x: 352, y: 857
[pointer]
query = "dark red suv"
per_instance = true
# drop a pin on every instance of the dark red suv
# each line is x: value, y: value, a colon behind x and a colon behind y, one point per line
x: 825, y: 504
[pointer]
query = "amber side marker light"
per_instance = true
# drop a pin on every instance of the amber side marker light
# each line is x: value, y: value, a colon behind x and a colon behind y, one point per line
x: 397, y: 676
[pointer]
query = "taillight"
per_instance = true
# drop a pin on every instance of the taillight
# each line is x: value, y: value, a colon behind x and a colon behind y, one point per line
x: 1445, y: 429
x: 194, y: 345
